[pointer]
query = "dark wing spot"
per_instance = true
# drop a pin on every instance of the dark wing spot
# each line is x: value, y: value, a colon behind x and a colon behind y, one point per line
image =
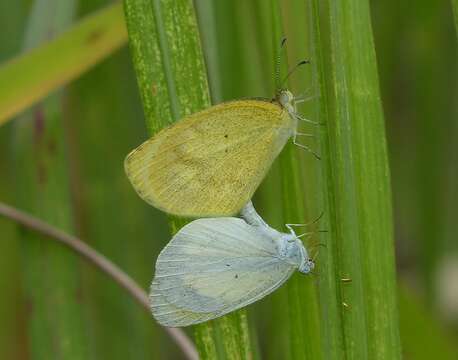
x: 236, y: 276
x: 226, y: 136
x: 228, y: 265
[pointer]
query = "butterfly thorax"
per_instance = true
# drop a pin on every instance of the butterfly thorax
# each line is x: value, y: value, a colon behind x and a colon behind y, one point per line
x: 291, y: 250
x: 286, y: 100
x: 307, y: 264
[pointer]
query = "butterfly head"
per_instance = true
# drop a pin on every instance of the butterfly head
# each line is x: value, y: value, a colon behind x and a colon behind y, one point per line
x: 306, y: 266
x: 286, y: 100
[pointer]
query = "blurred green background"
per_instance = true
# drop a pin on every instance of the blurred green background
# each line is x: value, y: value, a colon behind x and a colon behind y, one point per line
x: 62, y: 161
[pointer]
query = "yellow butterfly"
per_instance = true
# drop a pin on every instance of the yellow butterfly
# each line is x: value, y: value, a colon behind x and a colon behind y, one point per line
x: 210, y: 163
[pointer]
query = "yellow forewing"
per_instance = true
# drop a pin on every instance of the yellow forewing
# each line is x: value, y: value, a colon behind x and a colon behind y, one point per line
x: 210, y: 163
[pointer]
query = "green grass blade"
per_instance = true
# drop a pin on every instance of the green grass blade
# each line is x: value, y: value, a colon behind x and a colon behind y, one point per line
x: 11, y: 306
x: 30, y: 77
x: 172, y: 80
x: 56, y: 322
x: 303, y: 310
x: 455, y: 13
x: 356, y: 190
x: 288, y: 329
x: 99, y: 103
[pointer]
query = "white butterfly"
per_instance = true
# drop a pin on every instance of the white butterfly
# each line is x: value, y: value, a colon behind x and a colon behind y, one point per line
x: 217, y: 265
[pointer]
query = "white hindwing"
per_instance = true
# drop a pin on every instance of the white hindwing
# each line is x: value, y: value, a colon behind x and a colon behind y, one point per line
x: 170, y: 315
x: 214, y: 266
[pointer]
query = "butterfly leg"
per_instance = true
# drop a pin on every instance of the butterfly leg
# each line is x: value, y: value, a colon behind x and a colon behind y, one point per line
x: 306, y: 234
x: 305, y: 146
x: 301, y: 118
x: 290, y: 227
x: 301, y: 99
x: 309, y: 223
x: 308, y: 95
x: 314, y: 246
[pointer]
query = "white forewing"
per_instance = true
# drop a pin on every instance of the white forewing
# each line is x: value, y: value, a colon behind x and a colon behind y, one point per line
x: 214, y: 266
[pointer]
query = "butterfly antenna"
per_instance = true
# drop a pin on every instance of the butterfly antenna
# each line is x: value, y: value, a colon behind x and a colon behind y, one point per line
x: 310, y: 233
x: 278, y: 63
x: 313, y: 247
x: 300, y: 63
x: 306, y: 234
x: 318, y: 218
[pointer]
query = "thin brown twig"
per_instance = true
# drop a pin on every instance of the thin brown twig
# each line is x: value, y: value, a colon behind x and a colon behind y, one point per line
x: 102, y: 263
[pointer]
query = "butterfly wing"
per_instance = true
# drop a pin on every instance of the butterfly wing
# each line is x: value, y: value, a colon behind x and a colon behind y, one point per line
x: 214, y: 266
x: 170, y: 315
x: 210, y: 163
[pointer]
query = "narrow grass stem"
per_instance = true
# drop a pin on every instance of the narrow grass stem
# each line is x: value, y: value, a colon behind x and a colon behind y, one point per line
x: 100, y: 262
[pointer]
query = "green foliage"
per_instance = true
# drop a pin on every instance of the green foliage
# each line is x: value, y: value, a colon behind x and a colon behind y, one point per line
x: 30, y: 77
x: 303, y: 308
x: 167, y: 57
x: 97, y: 103
x: 357, y: 196
x: 11, y: 304
x: 68, y: 154
x: 455, y: 13
x: 422, y: 335
x: 342, y: 189
x: 56, y: 319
